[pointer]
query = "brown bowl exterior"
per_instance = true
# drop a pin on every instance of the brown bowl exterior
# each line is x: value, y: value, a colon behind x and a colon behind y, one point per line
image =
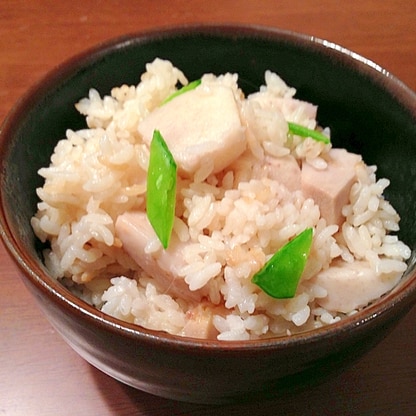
x: 365, y: 107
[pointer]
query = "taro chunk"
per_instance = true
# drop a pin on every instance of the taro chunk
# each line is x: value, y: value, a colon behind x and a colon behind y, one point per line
x: 199, y: 323
x: 135, y: 232
x: 284, y: 170
x: 330, y: 187
x: 201, y: 127
x: 352, y: 286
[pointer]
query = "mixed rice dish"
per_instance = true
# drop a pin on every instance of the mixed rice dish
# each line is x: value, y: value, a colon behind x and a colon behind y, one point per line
x: 257, y: 200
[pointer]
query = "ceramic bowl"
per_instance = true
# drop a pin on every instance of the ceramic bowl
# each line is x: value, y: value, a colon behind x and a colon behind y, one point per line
x: 369, y: 112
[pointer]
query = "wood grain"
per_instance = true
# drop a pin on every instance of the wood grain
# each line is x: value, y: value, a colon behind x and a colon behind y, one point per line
x: 39, y: 373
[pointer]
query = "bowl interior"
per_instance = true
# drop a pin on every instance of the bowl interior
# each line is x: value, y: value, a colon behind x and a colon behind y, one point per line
x: 369, y: 111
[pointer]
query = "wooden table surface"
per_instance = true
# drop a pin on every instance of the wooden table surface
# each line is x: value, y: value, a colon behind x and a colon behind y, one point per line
x: 39, y: 373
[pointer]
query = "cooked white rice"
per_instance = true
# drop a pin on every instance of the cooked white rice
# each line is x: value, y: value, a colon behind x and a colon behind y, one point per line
x: 231, y: 222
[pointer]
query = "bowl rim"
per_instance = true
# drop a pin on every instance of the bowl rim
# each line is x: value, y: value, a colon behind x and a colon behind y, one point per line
x: 56, y: 292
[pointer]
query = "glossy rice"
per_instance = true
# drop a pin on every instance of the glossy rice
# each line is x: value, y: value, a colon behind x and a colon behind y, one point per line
x: 230, y: 222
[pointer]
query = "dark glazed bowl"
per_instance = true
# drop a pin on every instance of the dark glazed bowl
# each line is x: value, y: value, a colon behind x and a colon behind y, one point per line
x: 369, y: 112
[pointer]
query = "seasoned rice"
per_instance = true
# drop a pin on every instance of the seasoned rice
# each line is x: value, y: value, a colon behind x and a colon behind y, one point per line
x: 230, y: 222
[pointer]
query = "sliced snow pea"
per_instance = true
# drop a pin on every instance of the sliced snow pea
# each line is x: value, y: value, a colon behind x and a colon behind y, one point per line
x: 191, y: 86
x: 302, y: 131
x: 280, y: 276
x: 161, y: 188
